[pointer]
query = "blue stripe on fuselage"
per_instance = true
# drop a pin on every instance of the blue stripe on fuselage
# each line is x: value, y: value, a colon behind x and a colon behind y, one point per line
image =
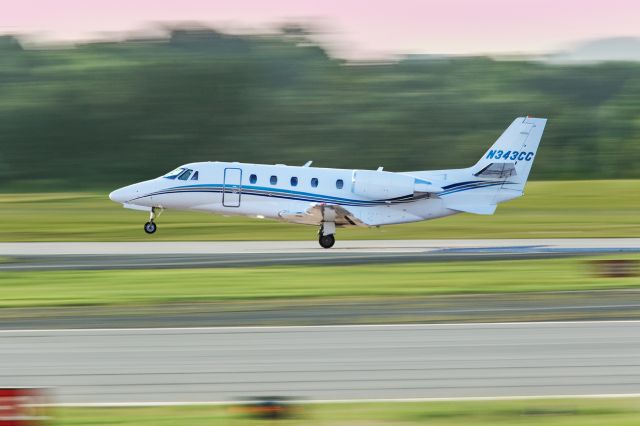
x: 363, y: 203
x: 466, y: 188
x: 311, y: 197
x: 276, y: 192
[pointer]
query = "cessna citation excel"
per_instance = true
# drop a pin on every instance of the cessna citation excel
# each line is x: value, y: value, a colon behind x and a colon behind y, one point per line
x: 333, y: 198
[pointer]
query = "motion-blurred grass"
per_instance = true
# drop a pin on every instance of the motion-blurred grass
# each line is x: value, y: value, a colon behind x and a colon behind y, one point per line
x: 114, y: 287
x: 548, y: 210
x: 562, y: 412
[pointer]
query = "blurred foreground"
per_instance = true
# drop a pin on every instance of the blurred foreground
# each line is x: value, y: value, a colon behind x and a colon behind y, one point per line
x: 558, y: 412
x: 564, y: 412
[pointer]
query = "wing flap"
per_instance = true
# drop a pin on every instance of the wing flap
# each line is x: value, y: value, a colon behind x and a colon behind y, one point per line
x: 317, y: 213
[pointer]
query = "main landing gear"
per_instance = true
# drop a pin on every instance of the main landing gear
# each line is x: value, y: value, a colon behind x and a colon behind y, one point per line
x: 327, y: 241
x: 326, y: 236
x: 150, y: 227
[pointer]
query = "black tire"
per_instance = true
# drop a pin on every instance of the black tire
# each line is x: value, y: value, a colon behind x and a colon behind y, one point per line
x: 150, y: 227
x: 327, y: 241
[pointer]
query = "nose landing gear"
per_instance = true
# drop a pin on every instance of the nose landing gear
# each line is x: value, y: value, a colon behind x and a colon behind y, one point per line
x: 150, y: 227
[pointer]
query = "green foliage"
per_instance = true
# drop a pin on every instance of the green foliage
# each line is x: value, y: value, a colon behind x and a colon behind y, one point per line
x: 112, y: 113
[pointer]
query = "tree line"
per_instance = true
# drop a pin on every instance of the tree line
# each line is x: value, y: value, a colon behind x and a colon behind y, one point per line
x: 103, y: 114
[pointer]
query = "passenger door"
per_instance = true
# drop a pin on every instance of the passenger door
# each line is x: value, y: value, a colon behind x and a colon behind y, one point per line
x: 232, y: 187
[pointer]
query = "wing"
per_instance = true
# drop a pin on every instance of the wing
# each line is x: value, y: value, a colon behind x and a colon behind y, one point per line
x: 317, y: 213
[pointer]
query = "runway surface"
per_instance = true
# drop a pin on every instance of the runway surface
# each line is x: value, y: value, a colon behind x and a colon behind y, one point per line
x: 133, y: 255
x: 326, y: 363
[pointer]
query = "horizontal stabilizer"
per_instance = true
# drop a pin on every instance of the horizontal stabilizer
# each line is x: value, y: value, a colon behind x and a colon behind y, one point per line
x: 476, y: 208
x: 499, y: 176
x: 497, y: 171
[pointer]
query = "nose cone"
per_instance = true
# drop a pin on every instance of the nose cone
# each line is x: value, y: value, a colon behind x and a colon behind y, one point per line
x: 121, y: 195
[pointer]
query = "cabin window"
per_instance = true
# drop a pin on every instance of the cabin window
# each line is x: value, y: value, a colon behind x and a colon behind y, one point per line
x: 314, y: 182
x: 195, y: 175
x: 339, y: 184
x: 273, y: 180
x: 294, y: 181
x: 253, y: 179
x: 185, y: 175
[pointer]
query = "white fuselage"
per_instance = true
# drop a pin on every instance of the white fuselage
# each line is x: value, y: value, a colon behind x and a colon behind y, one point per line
x: 332, y: 198
x: 279, y: 191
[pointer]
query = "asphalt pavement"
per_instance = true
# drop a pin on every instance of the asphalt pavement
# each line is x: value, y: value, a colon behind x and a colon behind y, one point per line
x: 198, y: 254
x: 171, y: 365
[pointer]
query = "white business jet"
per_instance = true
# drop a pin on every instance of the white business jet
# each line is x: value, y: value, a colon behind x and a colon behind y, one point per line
x: 332, y: 198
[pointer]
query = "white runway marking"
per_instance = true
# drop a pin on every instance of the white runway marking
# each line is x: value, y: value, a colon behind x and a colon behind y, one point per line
x: 316, y: 327
x: 342, y: 401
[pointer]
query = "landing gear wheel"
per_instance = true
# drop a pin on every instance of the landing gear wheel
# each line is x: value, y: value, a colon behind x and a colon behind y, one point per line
x: 327, y: 241
x: 150, y: 227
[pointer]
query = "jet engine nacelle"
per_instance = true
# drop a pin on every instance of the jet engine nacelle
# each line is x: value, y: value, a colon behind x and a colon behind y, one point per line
x: 379, y: 185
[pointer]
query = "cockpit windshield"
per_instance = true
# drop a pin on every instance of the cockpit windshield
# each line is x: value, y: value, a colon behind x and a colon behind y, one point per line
x: 174, y: 173
x: 185, y: 175
x: 182, y: 173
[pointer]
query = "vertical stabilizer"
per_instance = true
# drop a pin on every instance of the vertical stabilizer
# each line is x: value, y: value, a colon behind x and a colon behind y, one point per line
x: 501, y: 173
x: 512, y: 155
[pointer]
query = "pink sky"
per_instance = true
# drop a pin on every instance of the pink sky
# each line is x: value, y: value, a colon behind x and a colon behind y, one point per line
x: 358, y: 28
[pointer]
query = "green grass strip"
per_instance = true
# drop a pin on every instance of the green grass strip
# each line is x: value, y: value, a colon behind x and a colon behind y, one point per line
x: 561, y: 412
x: 113, y: 287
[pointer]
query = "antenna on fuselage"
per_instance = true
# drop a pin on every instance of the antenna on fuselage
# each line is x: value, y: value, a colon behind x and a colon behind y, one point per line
x: 307, y: 164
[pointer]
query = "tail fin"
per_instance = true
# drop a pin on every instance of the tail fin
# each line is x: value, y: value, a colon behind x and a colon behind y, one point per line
x: 512, y: 155
x: 502, y: 172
